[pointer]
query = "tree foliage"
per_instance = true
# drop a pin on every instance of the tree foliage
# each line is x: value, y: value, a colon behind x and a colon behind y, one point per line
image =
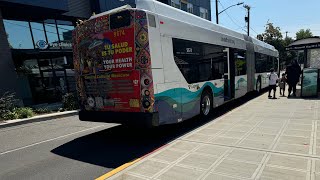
x: 273, y: 36
x: 303, y: 34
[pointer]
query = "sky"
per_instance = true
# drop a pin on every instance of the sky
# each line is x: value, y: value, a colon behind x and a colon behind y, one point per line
x: 289, y: 15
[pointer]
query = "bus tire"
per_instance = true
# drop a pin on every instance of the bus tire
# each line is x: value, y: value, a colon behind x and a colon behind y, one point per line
x: 206, y: 103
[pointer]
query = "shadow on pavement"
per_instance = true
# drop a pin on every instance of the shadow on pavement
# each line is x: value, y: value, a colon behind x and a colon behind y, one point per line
x: 118, y: 145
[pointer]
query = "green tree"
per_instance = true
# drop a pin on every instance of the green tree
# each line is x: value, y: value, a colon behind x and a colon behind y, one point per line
x: 272, y: 35
x: 303, y: 34
x: 287, y: 41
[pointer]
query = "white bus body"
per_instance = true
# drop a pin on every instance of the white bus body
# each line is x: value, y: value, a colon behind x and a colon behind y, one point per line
x: 192, y: 58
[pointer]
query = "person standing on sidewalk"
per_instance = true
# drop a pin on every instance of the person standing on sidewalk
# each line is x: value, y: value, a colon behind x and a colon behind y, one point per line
x: 293, y: 72
x: 282, y: 84
x: 273, y: 78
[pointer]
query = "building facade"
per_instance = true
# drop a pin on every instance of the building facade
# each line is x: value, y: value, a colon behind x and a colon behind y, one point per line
x: 200, y: 8
x: 35, y: 41
x: 36, y: 50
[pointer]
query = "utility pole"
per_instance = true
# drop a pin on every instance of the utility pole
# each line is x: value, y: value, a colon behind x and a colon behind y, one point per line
x: 217, y: 12
x: 247, y: 19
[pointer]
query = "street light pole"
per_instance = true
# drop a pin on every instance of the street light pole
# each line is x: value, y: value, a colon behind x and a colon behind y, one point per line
x: 247, y: 19
x: 217, y: 11
x: 231, y: 6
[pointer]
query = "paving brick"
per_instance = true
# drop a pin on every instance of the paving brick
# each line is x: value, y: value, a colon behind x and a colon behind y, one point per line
x: 293, y: 148
x: 267, y: 130
x: 212, y: 150
x: 261, y: 137
x: 148, y: 168
x: 271, y: 173
x: 180, y: 173
x: 241, y: 128
x: 233, y: 134
x: 225, y: 140
x: 298, y: 133
x: 184, y: 146
x: 125, y: 176
x: 213, y: 176
x: 256, y: 144
x: 198, y: 161
x: 236, y: 168
x: 288, y: 161
x: 294, y: 126
x: 220, y: 126
x: 247, y: 155
x: 198, y: 137
x: 168, y: 155
x: 294, y: 140
x: 317, y: 166
x: 209, y: 132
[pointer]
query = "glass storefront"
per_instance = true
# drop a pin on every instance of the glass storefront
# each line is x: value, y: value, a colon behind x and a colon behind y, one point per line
x: 48, y: 79
x: 42, y: 53
x: 19, y: 34
x: 49, y: 34
x: 51, y: 30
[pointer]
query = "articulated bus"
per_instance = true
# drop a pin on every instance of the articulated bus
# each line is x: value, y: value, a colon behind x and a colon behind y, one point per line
x: 155, y: 65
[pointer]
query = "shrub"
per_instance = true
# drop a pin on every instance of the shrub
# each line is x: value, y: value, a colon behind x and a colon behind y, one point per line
x: 10, y: 115
x: 23, y: 112
x: 7, y: 104
x: 70, y: 101
x: 41, y: 110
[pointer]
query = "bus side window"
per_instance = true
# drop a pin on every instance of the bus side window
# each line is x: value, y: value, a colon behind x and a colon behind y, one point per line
x: 152, y: 20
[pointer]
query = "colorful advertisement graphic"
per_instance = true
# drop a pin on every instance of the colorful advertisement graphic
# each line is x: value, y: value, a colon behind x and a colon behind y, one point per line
x: 113, y: 92
x: 118, y: 55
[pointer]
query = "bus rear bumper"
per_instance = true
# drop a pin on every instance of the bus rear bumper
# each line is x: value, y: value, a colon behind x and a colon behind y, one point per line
x: 126, y: 118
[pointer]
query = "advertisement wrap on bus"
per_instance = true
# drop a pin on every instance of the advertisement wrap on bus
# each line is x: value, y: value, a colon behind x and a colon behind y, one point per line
x: 111, y: 63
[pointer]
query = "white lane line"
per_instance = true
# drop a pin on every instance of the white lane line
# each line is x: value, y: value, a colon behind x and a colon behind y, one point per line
x: 48, y: 140
x: 47, y: 122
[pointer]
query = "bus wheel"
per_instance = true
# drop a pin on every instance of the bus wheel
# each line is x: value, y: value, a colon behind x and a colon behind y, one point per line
x: 206, y: 103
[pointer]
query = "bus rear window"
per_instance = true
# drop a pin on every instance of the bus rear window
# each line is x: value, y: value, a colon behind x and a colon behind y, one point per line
x: 121, y: 19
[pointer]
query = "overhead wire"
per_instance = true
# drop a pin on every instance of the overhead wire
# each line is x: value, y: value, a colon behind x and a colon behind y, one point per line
x: 231, y: 18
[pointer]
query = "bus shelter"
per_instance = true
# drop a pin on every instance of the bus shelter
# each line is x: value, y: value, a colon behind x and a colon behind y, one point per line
x: 307, y: 52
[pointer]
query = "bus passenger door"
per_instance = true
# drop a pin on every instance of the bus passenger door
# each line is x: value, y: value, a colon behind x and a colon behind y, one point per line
x: 228, y: 74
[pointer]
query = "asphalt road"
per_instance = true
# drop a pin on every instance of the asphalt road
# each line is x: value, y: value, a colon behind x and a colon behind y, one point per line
x: 67, y: 148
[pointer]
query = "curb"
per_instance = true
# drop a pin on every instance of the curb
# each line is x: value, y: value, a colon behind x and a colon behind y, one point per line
x: 39, y: 118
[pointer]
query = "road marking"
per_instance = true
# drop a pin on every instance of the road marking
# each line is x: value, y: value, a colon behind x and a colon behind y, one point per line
x: 48, y: 140
x: 118, y: 169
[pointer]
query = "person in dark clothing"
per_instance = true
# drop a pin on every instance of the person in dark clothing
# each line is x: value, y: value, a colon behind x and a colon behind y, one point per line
x: 293, y: 72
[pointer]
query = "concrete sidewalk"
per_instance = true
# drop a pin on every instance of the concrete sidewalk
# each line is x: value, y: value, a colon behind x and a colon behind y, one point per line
x: 263, y: 139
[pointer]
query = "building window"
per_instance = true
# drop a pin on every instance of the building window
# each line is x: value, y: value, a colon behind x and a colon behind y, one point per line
x: 38, y: 32
x: 65, y: 31
x: 175, y: 3
x: 190, y: 8
x: 19, y: 35
x: 204, y: 13
x: 184, y: 5
x: 51, y: 31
